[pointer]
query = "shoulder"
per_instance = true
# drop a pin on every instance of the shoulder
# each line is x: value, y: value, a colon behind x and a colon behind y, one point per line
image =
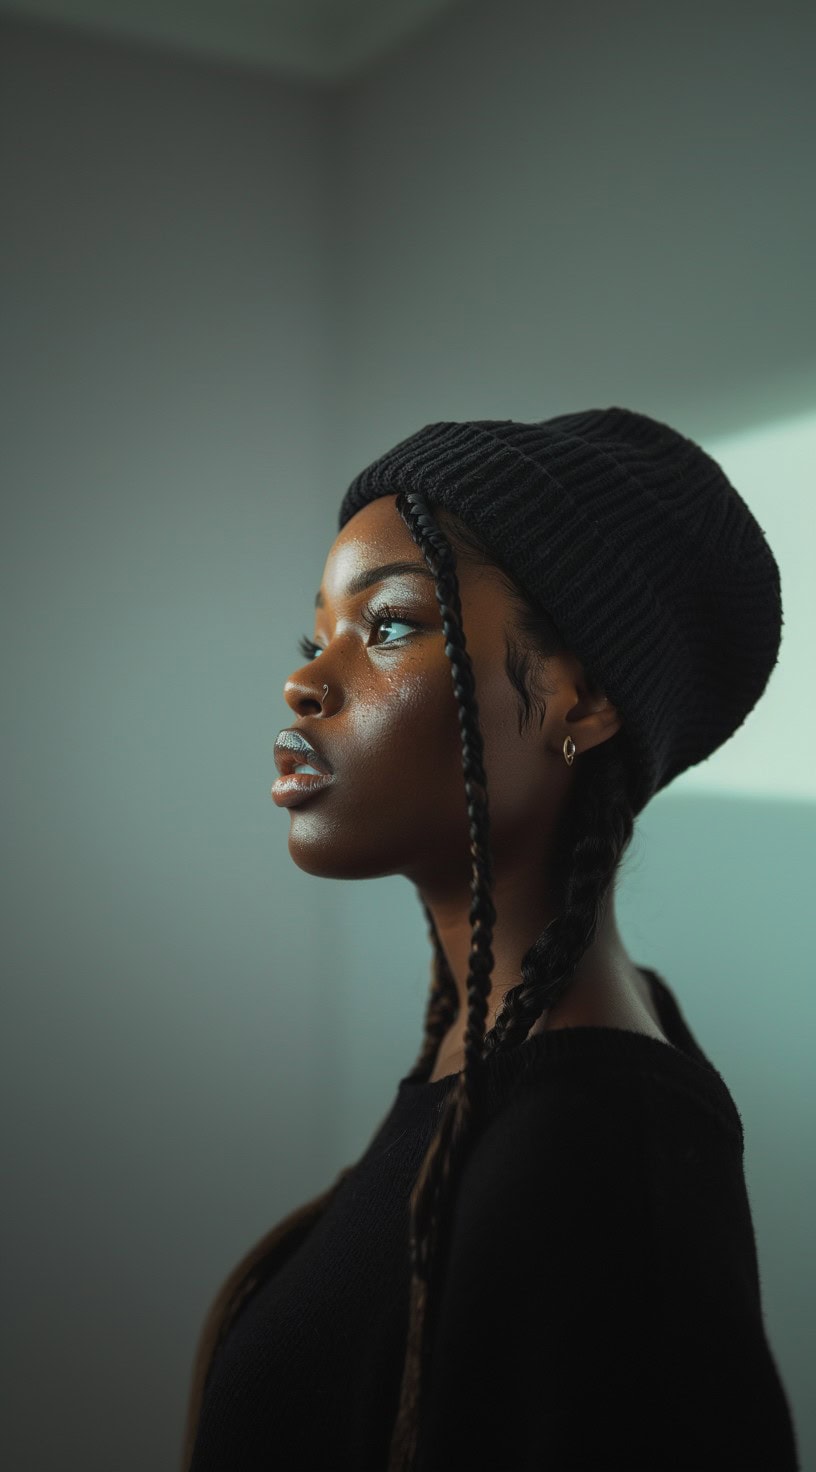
x: 599, y: 1138
x: 593, y: 1103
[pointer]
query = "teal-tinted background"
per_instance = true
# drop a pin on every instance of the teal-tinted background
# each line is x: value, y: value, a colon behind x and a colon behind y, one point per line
x: 224, y: 294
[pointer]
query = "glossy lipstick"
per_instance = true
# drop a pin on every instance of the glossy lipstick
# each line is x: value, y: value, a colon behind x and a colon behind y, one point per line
x: 293, y: 749
x: 294, y: 788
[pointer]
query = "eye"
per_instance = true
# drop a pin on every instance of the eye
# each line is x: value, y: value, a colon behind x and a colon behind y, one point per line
x: 307, y: 648
x: 374, y: 617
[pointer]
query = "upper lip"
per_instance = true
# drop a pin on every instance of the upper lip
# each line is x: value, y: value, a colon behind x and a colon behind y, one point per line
x: 293, y: 750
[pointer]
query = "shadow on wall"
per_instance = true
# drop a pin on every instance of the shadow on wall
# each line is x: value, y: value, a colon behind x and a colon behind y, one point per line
x: 716, y: 894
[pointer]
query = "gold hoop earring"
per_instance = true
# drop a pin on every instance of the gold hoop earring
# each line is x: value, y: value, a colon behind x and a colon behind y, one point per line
x: 569, y: 751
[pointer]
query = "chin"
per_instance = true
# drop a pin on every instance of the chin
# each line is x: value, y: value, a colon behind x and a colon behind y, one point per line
x: 328, y: 858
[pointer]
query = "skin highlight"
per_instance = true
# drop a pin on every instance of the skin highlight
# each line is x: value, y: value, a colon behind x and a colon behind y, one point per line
x: 389, y: 728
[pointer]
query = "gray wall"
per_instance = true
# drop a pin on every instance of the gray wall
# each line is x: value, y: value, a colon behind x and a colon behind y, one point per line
x: 165, y: 420
x: 225, y: 295
x: 553, y: 206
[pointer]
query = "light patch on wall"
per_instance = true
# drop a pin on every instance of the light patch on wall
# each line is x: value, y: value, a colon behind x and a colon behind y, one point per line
x: 772, y: 467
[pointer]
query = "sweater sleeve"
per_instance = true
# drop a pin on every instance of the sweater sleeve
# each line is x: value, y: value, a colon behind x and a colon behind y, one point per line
x: 599, y: 1305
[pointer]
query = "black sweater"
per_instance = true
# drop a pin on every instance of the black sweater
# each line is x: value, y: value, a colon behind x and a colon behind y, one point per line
x: 601, y: 1304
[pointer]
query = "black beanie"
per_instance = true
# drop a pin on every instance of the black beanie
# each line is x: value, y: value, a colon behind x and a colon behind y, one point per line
x: 634, y: 541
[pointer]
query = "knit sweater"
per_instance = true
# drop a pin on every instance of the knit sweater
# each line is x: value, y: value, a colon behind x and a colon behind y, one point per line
x: 600, y: 1307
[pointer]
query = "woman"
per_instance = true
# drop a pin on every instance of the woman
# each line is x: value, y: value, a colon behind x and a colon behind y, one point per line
x: 545, y: 1258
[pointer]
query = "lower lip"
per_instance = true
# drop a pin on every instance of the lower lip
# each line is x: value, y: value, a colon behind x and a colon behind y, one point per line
x: 296, y: 787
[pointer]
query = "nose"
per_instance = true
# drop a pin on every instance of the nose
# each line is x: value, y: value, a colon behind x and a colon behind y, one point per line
x: 305, y: 696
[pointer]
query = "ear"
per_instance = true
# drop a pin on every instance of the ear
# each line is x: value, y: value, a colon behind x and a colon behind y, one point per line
x: 592, y: 718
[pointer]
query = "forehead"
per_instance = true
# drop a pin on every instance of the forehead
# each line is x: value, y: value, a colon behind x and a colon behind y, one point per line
x: 376, y: 527
x: 377, y: 535
x: 374, y: 536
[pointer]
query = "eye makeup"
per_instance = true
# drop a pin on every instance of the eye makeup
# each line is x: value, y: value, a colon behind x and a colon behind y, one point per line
x: 373, y: 615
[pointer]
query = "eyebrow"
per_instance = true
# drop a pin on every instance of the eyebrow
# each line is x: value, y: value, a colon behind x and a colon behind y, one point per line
x: 365, y: 580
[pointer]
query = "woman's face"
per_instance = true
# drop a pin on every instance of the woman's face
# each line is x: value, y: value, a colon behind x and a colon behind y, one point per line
x: 389, y: 724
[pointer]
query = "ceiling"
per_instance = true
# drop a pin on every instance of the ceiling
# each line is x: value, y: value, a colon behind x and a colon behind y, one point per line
x: 320, y: 40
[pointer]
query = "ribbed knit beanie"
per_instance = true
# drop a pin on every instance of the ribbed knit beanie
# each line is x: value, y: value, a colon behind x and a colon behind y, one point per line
x: 633, y: 540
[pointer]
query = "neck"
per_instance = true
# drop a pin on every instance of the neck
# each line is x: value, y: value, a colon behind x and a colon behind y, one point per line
x: 605, y: 989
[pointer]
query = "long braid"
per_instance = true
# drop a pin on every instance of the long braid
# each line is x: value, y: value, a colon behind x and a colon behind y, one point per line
x: 598, y: 829
x: 433, y: 1189
x: 595, y: 832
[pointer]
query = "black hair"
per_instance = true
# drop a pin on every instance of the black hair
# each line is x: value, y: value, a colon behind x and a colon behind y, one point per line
x: 594, y: 834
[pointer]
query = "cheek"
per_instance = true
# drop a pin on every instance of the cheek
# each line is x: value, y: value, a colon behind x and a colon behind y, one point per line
x: 515, y: 764
x: 402, y: 745
x: 515, y: 772
x: 514, y: 797
x: 399, y: 805
x: 414, y: 746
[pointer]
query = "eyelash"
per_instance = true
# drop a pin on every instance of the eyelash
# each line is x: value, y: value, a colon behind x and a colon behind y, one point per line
x: 382, y: 614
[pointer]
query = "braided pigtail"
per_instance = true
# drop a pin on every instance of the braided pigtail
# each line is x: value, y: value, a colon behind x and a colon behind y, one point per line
x: 434, y: 1187
x: 597, y: 830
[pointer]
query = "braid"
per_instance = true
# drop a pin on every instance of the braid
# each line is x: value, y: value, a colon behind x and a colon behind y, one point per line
x: 596, y: 830
x: 432, y: 1192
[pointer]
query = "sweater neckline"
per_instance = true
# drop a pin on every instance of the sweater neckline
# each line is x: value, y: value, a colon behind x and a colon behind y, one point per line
x: 683, y: 1062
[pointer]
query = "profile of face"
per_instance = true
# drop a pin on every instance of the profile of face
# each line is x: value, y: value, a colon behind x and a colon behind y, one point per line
x: 389, y: 724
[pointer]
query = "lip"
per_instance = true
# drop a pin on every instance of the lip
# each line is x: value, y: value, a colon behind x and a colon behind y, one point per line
x: 294, y: 788
x: 293, y: 749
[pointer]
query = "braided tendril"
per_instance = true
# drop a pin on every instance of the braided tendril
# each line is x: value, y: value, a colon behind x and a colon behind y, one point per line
x: 596, y: 831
